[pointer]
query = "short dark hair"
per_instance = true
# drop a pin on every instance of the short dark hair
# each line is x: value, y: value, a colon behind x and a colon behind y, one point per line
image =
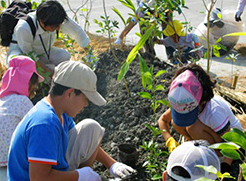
x: 180, y: 171
x: 205, y: 80
x: 34, y: 79
x: 58, y: 89
x: 51, y: 13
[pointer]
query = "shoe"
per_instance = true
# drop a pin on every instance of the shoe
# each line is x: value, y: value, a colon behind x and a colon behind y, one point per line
x: 118, y: 41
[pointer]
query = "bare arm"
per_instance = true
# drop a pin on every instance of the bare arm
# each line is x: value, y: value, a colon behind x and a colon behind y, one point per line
x: 163, y: 123
x: 41, y: 172
x: 104, y: 158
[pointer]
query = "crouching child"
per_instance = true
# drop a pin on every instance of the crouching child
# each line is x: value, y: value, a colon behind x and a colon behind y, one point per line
x: 47, y: 145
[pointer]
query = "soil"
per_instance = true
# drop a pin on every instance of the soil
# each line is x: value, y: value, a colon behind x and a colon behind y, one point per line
x: 126, y: 113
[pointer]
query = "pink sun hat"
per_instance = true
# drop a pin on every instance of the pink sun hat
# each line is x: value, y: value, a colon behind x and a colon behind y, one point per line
x: 16, y: 79
x: 184, y: 96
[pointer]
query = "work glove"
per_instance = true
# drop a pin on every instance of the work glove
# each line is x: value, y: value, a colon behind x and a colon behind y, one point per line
x: 121, y: 170
x: 171, y: 144
x: 87, y: 174
x: 238, y: 16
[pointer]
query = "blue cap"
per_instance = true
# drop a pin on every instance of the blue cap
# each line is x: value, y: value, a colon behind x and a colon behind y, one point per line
x: 187, y: 119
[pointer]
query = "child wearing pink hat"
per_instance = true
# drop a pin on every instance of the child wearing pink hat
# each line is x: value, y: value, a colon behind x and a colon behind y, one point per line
x: 18, y: 86
x: 195, y: 112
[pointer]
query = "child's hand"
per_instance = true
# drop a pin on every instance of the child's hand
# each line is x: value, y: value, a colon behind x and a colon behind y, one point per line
x: 87, y: 174
x: 121, y: 170
x: 171, y: 144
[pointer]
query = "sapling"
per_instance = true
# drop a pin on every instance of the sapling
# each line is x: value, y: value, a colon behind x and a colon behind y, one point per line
x: 150, y: 84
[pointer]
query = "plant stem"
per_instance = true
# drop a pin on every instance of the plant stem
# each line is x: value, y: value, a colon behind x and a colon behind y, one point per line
x: 106, y: 17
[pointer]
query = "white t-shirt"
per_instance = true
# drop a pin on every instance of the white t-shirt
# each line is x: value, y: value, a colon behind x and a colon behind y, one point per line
x: 26, y: 43
x: 217, y: 113
x: 12, y: 109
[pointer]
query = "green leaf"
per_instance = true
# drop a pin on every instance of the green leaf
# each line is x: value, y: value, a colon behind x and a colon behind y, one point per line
x: 229, y: 145
x: 143, y: 66
x: 238, y: 131
x: 3, y: 4
x: 123, y: 71
x: 203, y: 179
x: 219, y: 15
x: 218, y: 40
x: 147, y: 75
x: 235, y: 138
x: 145, y: 95
x: 243, y: 166
x: 84, y: 9
x: 156, y: 177
x: 159, y: 88
x: 236, y: 34
x: 164, y: 102
x: 160, y: 72
x: 154, y: 130
x: 209, y: 169
x: 231, y: 154
x: 139, y: 45
x: 119, y: 14
x: 216, y: 49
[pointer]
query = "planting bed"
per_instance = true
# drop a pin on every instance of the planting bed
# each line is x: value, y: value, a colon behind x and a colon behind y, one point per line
x: 125, y: 115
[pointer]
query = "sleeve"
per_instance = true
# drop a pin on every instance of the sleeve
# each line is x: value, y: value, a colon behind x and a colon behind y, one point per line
x: 195, y: 39
x: 24, y: 106
x: 218, y: 119
x: 43, y: 144
x: 23, y: 37
x: 241, y: 6
x: 75, y: 31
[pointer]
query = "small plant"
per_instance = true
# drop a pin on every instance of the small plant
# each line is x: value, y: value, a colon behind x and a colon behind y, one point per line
x: 149, y: 83
x: 155, y: 163
x: 213, y: 170
x: 233, y: 58
x: 107, y: 25
x: 68, y: 42
x: 234, y: 148
x: 90, y: 59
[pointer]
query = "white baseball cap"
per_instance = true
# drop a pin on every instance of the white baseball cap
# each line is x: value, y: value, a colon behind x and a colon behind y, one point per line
x: 77, y: 75
x: 188, y: 155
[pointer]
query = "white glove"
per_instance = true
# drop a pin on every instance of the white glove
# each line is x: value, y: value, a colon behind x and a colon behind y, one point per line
x: 121, y: 170
x: 118, y: 41
x: 87, y: 174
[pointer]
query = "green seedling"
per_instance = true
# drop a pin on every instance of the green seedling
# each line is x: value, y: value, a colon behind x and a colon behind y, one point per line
x: 234, y: 148
x: 151, y: 86
x: 156, y: 158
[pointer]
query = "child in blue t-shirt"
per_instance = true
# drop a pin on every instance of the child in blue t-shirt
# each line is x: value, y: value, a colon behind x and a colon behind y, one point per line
x: 179, y: 45
x: 48, y: 145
